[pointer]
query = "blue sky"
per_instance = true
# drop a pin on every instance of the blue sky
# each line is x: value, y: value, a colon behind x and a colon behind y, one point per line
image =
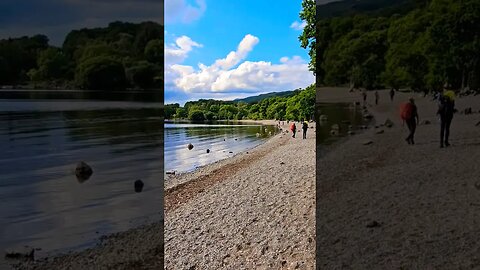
x: 257, y: 40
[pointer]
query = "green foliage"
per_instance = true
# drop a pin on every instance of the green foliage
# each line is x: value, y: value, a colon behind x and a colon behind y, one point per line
x: 154, y: 51
x: 196, y: 115
x: 101, y: 73
x: 142, y: 74
x: 307, y: 38
x: 297, y: 106
x: 421, y: 47
x: 138, y: 48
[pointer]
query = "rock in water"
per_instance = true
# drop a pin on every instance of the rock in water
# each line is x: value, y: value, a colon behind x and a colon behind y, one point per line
x: 190, y: 146
x: 171, y: 172
x: 24, y: 252
x: 208, y: 151
x: 83, y: 171
x: 138, y: 185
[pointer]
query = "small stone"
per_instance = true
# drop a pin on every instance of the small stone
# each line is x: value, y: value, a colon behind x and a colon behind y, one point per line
x: 380, y: 132
x: 426, y: 122
x: 388, y: 123
x: 138, y: 185
x: 368, y: 142
x: 373, y: 224
x: 477, y: 185
x: 282, y: 163
x: 171, y: 172
x: 367, y: 116
x: 230, y: 152
x: 351, y: 133
x: 83, y: 171
x: 190, y: 146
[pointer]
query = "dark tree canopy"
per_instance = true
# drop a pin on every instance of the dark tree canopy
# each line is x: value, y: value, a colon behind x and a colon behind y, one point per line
x: 135, y: 49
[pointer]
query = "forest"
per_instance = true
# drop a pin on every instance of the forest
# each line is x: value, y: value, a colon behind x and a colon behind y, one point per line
x: 300, y: 105
x: 433, y: 44
x: 120, y: 56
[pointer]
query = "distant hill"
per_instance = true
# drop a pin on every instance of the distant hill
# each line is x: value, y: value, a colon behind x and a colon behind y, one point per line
x: 261, y: 97
x: 350, y: 7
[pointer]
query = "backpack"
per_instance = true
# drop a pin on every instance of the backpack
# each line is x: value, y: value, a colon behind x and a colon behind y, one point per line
x: 406, y: 111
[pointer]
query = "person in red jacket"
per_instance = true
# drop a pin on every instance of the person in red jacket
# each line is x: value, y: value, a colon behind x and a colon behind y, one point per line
x: 293, y: 128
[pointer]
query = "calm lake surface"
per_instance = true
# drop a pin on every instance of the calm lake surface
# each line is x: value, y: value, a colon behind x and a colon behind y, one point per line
x: 223, y: 139
x: 42, y: 204
x: 346, y: 115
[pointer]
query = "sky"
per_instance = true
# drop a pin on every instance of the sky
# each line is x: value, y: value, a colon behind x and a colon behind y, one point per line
x: 55, y: 18
x: 227, y: 49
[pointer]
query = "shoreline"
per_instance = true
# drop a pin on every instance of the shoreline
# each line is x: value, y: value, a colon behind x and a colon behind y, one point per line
x: 412, y: 194
x: 181, y: 178
x: 255, y: 212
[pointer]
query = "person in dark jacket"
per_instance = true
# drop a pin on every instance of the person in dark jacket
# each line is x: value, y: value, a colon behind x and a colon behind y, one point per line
x: 446, y: 109
x: 392, y: 94
x: 412, y: 122
x: 305, y: 128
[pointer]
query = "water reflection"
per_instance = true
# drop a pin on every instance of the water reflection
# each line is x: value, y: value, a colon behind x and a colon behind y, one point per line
x: 221, y: 139
x: 43, y: 204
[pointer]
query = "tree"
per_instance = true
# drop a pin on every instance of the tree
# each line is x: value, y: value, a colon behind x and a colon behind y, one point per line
x: 307, y: 38
x: 154, y: 51
x: 196, y: 115
x: 101, y: 73
x: 142, y: 74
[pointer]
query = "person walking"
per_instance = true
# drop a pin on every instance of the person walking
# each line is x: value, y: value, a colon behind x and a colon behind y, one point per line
x: 293, y: 128
x: 376, y: 97
x: 410, y: 116
x: 364, y: 95
x: 446, y: 109
x: 305, y: 128
x: 392, y: 94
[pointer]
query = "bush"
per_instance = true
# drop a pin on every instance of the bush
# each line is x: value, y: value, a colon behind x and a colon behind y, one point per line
x: 101, y: 73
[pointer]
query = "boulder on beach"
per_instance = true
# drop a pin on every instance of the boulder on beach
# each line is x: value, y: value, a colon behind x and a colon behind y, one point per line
x: 138, y: 185
x: 190, y: 146
x: 83, y: 171
x: 388, y: 123
x: 25, y: 252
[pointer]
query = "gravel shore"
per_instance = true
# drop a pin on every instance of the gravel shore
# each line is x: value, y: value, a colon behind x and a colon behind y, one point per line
x: 254, y: 211
x: 390, y: 205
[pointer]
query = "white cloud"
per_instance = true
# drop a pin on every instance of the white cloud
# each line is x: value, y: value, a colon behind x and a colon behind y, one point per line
x: 178, y: 52
x: 298, y: 25
x: 233, y: 74
x: 182, y: 11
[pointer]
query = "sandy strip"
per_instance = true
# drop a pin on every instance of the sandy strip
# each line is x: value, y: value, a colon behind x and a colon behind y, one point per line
x: 425, y: 200
x: 258, y: 213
